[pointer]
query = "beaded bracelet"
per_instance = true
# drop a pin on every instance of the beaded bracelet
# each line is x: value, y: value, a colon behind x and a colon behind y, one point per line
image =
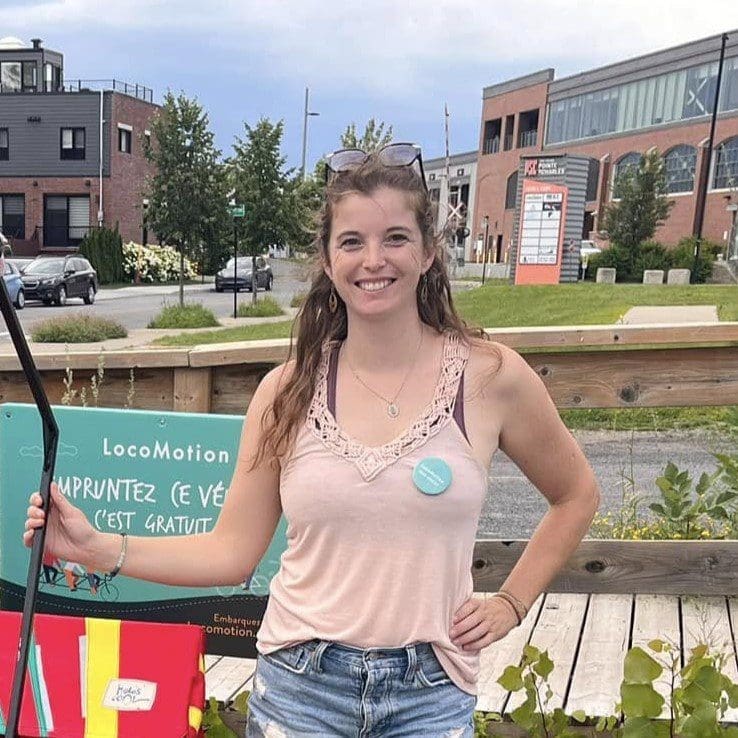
x: 520, y: 604
x: 510, y: 605
x: 520, y: 609
x: 122, y: 557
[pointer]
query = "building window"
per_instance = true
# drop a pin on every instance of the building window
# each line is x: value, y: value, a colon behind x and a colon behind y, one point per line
x: 10, y: 76
x: 432, y: 177
x: 124, y: 140
x: 492, y: 132
x: 625, y: 164
x: 52, y: 77
x: 72, y: 143
x: 66, y: 220
x: 459, y: 172
x: 13, y: 215
x: 680, y: 164
x: 435, y: 194
x: 726, y: 165
x: 511, y: 193
x: 509, y: 130
x: 4, y: 144
x: 593, y: 179
x: 527, y: 129
x: 30, y: 72
x: 664, y: 98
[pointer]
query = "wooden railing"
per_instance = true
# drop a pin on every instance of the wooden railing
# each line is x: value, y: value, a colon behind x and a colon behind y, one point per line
x: 613, y: 366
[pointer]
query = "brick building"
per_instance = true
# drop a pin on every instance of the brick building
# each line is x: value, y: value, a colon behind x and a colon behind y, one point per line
x: 71, y: 154
x: 612, y: 115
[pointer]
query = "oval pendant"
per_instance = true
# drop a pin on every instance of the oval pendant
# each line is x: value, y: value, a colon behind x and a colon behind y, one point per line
x: 392, y: 410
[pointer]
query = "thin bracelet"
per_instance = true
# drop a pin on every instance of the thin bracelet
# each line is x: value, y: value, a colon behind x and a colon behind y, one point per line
x: 520, y: 604
x: 510, y: 605
x: 122, y: 557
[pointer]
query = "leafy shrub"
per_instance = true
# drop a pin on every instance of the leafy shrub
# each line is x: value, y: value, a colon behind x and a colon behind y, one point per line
x: 77, y: 329
x: 103, y: 248
x: 192, y: 315
x: 264, y: 308
x: 298, y: 299
x: 683, y: 257
x: 154, y: 263
x: 651, y: 255
x: 613, y: 257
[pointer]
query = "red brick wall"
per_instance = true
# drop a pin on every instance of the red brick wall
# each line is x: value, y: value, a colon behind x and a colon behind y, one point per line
x: 494, y: 169
x: 123, y: 192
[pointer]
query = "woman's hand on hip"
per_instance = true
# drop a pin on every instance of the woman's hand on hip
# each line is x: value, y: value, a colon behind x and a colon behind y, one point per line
x: 479, y: 622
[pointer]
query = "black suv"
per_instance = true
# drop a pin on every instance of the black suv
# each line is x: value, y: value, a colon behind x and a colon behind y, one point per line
x: 57, y: 278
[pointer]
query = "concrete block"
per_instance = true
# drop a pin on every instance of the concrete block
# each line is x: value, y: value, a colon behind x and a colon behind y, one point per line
x: 653, y: 276
x: 606, y: 275
x: 678, y: 276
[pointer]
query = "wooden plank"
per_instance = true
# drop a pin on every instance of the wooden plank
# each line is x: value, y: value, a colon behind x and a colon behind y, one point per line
x: 211, y: 660
x: 234, y: 386
x: 150, y: 357
x: 657, y: 617
x: 269, y: 351
x: 614, y: 335
x: 642, y: 378
x: 614, y: 566
x: 598, y: 672
x: 706, y: 620
x: 192, y: 389
x: 501, y: 654
x: 557, y: 631
x: 225, y: 679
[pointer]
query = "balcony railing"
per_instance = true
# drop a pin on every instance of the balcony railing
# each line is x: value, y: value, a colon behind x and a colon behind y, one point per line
x: 528, y: 138
x: 86, y: 85
x: 491, y: 145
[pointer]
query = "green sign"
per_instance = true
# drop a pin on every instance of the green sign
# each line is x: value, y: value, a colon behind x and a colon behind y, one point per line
x: 237, y: 211
x: 145, y: 473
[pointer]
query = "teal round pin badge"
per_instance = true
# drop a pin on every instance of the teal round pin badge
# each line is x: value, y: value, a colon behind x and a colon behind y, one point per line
x: 432, y: 475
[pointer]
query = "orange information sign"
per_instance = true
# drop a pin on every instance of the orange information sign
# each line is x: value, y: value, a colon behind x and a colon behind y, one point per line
x: 542, y: 216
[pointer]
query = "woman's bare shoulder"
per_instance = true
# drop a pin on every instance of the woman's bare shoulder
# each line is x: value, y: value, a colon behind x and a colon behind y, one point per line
x: 494, y: 369
x: 274, y: 381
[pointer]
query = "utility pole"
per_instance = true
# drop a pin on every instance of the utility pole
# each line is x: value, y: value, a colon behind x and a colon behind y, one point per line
x: 304, y: 133
x: 484, y: 247
x: 707, y: 159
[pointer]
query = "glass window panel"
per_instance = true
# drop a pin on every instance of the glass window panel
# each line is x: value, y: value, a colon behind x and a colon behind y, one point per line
x: 574, y: 118
x: 729, y: 91
x: 3, y: 138
x: 511, y: 191
x: 649, y: 102
x: 79, y: 138
x: 10, y: 76
x: 680, y: 164
x: 67, y: 141
x: 658, y: 100
x: 726, y: 165
x: 586, y: 125
x: 29, y: 75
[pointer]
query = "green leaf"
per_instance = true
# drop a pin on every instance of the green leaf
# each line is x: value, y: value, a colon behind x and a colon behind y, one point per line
x: 656, y: 645
x: 511, y: 679
x: 544, y: 666
x: 241, y: 702
x: 579, y: 715
x: 641, y: 700
x: 640, y: 668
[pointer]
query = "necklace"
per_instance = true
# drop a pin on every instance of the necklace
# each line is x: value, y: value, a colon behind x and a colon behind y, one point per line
x: 392, y: 408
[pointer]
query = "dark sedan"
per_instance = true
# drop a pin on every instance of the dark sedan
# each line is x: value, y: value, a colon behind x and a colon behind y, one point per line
x: 54, y: 279
x: 240, y: 277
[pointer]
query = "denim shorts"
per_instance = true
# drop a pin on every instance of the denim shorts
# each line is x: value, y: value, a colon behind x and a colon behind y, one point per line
x: 320, y: 688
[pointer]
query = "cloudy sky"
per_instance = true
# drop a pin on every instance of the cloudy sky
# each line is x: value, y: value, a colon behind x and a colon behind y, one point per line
x: 396, y: 60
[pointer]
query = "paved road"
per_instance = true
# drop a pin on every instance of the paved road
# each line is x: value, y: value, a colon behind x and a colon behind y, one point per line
x: 514, y: 507
x: 135, y: 306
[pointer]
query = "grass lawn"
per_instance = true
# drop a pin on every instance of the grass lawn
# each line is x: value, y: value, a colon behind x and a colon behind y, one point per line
x: 504, y: 305
x: 241, y: 333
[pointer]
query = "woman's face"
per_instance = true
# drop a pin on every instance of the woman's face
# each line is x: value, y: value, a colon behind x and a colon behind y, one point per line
x: 376, y: 253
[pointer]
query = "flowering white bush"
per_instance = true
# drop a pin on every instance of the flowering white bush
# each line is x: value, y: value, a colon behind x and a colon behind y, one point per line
x: 154, y: 263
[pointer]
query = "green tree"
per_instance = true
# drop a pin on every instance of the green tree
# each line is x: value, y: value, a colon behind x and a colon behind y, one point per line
x: 640, y: 204
x: 187, y: 195
x: 375, y: 136
x: 267, y: 191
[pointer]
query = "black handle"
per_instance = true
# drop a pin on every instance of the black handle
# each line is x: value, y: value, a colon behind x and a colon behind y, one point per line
x: 51, y: 439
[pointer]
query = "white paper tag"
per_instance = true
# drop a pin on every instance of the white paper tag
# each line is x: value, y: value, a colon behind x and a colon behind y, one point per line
x: 127, y: 695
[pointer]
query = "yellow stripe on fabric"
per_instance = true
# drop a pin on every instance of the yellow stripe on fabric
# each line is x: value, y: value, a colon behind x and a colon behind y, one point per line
x: 202, y: 663
x: 195, y: 718
x: 103, y: 664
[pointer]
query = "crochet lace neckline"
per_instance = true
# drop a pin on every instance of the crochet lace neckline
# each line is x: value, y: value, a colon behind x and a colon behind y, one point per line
x: 371, y: 460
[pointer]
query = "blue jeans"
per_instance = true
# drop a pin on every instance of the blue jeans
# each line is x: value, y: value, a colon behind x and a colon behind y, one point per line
x: 328, y: 690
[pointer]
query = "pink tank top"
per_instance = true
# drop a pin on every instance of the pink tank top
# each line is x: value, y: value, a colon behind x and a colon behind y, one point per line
x: 371, y: 561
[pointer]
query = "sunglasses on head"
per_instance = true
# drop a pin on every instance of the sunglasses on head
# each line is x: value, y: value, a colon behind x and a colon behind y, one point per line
x: 391, y: 155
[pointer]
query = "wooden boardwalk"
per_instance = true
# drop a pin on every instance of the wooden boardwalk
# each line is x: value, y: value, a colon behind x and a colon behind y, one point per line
x: 586, y: 636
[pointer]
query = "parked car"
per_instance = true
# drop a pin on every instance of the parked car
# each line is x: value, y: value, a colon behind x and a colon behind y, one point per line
x: 243, y: 279
x: 20, y: 262
x: 57, y: 278
x: 14, y: 285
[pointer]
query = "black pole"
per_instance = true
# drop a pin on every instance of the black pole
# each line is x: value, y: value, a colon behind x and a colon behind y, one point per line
x: 50, y: 440
x: 235, y: 268
x: 704, y: 180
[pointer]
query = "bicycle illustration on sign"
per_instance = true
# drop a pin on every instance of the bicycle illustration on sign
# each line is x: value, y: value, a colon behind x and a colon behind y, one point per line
x: 74, y: 577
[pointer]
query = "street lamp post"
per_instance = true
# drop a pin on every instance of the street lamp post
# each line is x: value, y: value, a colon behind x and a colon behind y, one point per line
x: 304, y: 133
x: 484, y: 246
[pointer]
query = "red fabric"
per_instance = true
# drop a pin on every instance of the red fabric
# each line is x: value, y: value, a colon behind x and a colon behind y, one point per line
x: 167, y: 654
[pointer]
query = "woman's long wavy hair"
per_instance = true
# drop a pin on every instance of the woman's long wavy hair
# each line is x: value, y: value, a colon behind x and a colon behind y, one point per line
x: 316, y: 324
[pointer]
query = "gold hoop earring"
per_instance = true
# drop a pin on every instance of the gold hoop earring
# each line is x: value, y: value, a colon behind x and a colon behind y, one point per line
x: 424, y: 288
x: 332, y: 300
